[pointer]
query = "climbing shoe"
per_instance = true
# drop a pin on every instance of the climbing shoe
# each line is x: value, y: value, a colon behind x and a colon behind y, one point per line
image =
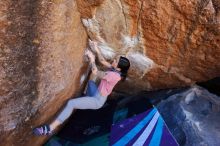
x: 42, y: 130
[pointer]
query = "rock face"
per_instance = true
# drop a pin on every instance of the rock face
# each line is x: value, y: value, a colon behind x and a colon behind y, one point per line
x: 193, y: 116
x: 170, y: 43
x: 41, y: 64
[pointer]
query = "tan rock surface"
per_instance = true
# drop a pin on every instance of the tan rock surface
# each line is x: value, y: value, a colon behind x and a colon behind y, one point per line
x: 170, y: 44
x: 42, y: 45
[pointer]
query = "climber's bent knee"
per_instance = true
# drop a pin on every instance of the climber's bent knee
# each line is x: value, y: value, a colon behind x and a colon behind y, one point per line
x: 100, y: 100
x: 86, y: 102
x: 70, y: 103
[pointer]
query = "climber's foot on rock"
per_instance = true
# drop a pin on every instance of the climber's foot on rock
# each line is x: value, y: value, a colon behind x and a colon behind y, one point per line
x: 42, y: 130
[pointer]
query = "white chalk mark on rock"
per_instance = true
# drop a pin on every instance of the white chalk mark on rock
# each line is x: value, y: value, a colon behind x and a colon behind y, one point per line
x: 130, y: 41
x: 140, y: 61
x: 82, y: 79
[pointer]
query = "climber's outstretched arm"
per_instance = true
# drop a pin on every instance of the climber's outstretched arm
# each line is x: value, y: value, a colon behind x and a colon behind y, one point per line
x: 101, y: 59
x: 91, y: 57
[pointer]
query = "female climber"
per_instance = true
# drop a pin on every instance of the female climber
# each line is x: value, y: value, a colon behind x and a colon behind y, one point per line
x: 95, y: 96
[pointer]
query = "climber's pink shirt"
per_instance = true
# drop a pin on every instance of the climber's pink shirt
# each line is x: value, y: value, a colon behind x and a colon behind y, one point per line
x: 108, y: 82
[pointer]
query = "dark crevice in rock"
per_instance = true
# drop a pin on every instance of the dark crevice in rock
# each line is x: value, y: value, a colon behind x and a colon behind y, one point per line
x: 212, y: 85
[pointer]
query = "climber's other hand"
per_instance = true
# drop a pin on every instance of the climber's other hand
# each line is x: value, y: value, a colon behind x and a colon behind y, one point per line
x: 90, y: 55
x: 93, y: 46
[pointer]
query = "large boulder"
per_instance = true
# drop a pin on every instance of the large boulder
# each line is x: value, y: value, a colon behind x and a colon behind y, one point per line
x: 169, y: 43
x: 192, y: 116
x: 41, y: 64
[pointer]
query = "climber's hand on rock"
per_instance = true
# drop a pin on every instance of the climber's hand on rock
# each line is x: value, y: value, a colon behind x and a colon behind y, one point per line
x: 90, y: 55
x: 93, y: 46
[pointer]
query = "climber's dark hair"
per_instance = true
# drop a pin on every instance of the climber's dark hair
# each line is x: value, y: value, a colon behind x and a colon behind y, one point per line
x: 124, y: 65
